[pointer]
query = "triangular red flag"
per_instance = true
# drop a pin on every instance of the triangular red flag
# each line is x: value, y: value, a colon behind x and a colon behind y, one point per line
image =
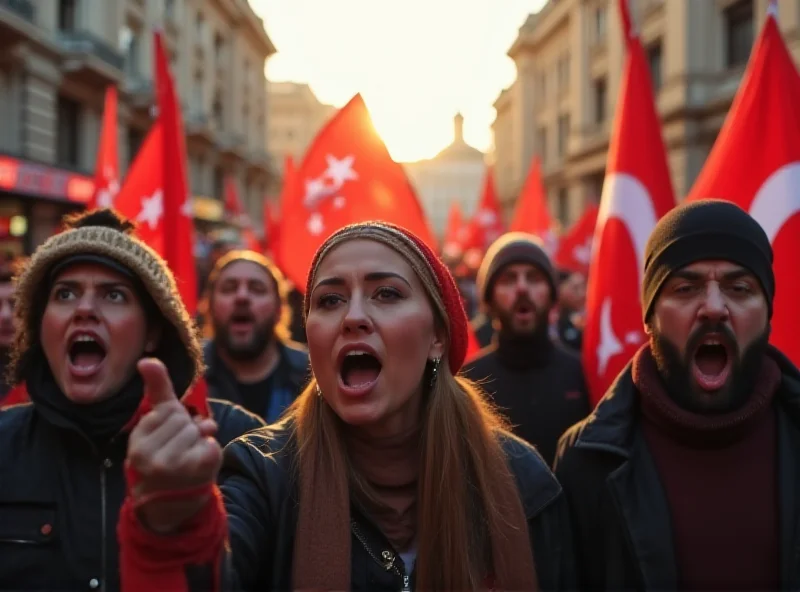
x: 532, y: 214
x: 755, y: 163
x: 575, y: 247
x: 637, y: 191
x: 486, y: 224
x: 106, y: 170
x: 348, y: 176
x: 178, y: 215
x: 452, y: 246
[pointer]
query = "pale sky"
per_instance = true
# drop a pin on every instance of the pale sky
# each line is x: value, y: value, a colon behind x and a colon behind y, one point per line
x: 415, y: 62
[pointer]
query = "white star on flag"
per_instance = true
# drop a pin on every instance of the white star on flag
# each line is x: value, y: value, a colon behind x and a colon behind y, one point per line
x: 339, y: 202
x: 316, y: 190
x: 609, y: 345
x: 152, y: 209
x: 340, y: 171
x: 486, y: 217
x: 187, y: 209
x: 315, y: 225
x: 583, y: 253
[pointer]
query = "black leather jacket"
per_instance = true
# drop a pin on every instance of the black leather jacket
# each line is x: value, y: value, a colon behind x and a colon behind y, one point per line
x: 261, y: 502
x: 60, y: 498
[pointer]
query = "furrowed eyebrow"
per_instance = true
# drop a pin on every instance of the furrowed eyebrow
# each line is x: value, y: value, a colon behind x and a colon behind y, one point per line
x: 370, y: 277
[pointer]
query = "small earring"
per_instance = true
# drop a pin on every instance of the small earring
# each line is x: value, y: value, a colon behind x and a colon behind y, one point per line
x: 434, y: 371
x: 319, y: 391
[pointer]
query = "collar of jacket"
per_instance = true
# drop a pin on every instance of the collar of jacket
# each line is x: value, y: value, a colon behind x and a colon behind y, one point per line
x: 610, y: 427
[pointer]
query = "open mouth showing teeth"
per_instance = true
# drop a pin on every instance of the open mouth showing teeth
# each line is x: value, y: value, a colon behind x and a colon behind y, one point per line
x: 360, y: 369
x: 86, y: 352
x: 712, y: 363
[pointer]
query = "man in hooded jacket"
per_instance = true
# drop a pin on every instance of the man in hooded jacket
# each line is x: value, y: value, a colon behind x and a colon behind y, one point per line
x: 91, y: 302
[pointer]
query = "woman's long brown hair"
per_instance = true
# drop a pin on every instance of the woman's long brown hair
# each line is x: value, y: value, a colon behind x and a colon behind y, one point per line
x: 470, y: 519
x: 459, y: 509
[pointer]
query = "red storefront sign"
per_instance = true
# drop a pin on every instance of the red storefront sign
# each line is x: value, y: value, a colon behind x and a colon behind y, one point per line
x: 20, y: 176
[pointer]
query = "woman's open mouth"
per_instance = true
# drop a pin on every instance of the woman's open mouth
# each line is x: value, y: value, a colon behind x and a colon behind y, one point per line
x: 86, y: 355
x: 711, y: 363
x: 358, y: 372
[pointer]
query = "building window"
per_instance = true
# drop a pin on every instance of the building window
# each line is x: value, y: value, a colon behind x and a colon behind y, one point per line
x: 739, y: 32
x: 67, y: 15
x: 69, y: 113
x: 600, y: 100
x: 541, y: 82
x: 563, y: 134
x: 219, y: 181
x: 129, y: 47
x: 541, y: 144
x: 654, y: 61
x: 135, y: 139
x: 563, y: 206
x: 197, y: 93
x: 599, y: 24
x: 217, y: 112
x: 563, y: 74
x: 219, y: 47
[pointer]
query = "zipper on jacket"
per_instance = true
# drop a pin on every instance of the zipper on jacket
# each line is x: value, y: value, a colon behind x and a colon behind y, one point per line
x: 388, y: 561
x: 103, y: 504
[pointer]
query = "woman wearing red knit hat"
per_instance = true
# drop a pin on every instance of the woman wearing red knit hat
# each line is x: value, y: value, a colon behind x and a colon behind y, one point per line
x: 389, y: 472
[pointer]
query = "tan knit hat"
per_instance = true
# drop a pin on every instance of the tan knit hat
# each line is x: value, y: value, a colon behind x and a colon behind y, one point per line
x: 104, y: 234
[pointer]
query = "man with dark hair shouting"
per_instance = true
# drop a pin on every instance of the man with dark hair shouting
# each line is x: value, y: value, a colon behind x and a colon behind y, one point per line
x: 685, y: 476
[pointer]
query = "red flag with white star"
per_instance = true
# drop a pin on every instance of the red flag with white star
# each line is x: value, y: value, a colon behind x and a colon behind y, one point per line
x: 532, y: 214
x: 575, y: 247
x: 106, y: 170
x: 755, y: 163
x: 637, y: 191
x: 347, y: 176
x: 156, y: 190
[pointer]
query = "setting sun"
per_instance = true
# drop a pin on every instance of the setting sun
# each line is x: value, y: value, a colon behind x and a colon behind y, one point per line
x: 416, y: 64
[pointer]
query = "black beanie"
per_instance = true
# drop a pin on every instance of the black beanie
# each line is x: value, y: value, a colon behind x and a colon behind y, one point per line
x: 513, y: 247
x: 705, y: 230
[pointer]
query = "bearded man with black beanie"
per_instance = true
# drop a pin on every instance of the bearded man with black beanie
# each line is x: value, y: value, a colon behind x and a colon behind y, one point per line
x: 537, y: 384
x: 685, y: 476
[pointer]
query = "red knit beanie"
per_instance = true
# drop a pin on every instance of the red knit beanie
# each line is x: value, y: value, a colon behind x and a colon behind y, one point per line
x: 407, y: 244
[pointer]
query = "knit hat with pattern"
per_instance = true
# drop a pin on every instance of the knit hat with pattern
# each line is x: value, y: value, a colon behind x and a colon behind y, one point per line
x: 102, y: 237
x: 432, y: 272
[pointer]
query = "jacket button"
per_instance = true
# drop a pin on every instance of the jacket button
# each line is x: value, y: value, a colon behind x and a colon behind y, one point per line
x: 107, y: 463
x: 94, y: 583
x: 387, y: 555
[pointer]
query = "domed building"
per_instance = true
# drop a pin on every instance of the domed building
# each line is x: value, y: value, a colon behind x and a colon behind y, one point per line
x: 454, y: 174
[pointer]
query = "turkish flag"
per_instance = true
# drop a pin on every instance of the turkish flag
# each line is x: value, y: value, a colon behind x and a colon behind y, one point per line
x: 271, y: 225
x: 637, y: 191
x: 575, y: 247
x: 142, y: 195
x: 755, y: 163
x: 531, y: 214
x: 486, y: 224
x: 106, y: 170
x: 452, y: 245
x: 347, y: 176
x: 235, y: 209
x: 156, y: 190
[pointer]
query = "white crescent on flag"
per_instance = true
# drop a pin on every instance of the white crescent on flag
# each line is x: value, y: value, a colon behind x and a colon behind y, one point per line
x: 778, y: 199
x: 626, y: 199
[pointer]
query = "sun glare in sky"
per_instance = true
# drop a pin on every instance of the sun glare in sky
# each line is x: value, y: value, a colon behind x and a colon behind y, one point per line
x: 416, y: 63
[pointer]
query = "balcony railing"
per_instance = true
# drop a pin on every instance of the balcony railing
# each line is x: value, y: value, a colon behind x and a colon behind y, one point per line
x: 83, y: 42
x: 23, y: 8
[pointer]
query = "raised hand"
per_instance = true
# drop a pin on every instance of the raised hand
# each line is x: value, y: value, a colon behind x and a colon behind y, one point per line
x: 170, y: 451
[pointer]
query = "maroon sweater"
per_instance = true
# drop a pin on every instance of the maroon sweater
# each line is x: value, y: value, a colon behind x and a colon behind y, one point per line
x: 720, y: 478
